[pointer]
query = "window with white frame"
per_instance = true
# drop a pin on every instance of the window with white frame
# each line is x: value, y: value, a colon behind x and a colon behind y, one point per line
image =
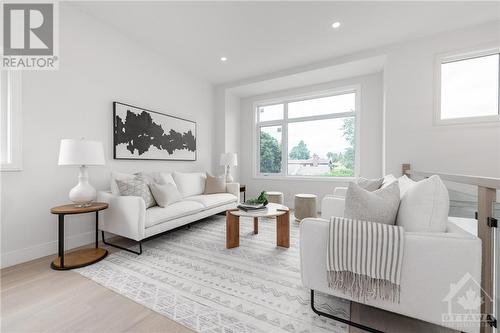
x: 469, y: 87
x: 312, y: 136
x: 10, y: 121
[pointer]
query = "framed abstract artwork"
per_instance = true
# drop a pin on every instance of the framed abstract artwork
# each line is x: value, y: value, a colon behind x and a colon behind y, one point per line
x: 141, y: 134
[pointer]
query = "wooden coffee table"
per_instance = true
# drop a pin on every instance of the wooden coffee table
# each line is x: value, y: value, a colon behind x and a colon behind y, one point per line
x: 281, y: 213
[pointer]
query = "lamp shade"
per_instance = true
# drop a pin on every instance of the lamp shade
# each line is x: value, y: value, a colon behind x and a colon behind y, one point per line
x: 81, y: 152
x: 230, y: 159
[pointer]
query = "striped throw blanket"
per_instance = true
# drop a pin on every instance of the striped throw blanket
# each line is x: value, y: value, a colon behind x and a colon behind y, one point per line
x: 364, y: 258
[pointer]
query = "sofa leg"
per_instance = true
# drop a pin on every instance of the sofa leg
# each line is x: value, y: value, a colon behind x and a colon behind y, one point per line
x: 342, y: 320
x: 121, y: 247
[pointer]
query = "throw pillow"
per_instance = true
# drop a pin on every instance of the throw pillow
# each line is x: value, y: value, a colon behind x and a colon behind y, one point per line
x: 388, y: 180
x: 118, y: 176
x: 215, y: 185
x: 148, y: 178
x: 166, y: 178
x: 370, y: 184
x: 138, y: 188
x: 404, y: 184
x: 379, y: 206
x: 165, y: 194
x: 425, y: 206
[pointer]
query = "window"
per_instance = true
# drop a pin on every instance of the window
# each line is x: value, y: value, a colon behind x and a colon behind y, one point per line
x: 469, y: 87
x: 10, y: 121
x: 307, y: 137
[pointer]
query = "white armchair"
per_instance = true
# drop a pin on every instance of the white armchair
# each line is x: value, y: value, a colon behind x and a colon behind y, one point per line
x: 432, y: 263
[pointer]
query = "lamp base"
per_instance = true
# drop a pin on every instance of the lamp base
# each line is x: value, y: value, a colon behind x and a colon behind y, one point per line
x: 83, y: 193
x: 229, y: 178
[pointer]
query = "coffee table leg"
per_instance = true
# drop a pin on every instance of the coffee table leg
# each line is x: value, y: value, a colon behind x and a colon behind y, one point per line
x: 283, y: 230
x: 232, y: 230
x: 255, y: 225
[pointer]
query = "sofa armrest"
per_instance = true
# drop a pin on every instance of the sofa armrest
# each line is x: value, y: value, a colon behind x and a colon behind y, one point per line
x: 234, y: 189
x: 125, y: 215
x: 332, y: 205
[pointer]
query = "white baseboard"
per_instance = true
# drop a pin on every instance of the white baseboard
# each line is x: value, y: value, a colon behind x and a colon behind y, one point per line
x: 41, y: 250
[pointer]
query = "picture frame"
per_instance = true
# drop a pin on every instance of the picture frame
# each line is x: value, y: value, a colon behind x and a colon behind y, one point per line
x: 142, y: 134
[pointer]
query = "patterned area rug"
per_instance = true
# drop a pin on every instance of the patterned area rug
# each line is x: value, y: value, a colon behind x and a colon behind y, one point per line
x: 189, y: 276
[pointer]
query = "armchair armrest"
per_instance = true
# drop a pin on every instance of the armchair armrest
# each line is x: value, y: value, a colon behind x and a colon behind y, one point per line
x: 234, y: 189
x: 332, y: 205
x: 125, y: 215
x: 340, y: 191
x: 432, y: 262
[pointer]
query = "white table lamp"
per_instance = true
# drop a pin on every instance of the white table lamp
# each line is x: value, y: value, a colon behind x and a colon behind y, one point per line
x: 82, y: 153
x: 228, y: 160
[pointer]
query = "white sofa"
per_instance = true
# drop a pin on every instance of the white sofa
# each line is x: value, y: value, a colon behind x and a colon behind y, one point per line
x: 431, y: 263
x: 128, y: 217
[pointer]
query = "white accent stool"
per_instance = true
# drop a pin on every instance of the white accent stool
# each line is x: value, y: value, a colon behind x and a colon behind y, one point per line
x: 305, y: 206
x: 275, y: 197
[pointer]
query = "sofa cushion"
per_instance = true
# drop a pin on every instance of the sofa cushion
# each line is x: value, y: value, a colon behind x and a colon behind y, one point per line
x: 380, y: 206
x: 213, y: 200
x: 190, y: 184
x: 157, y: 215
x: 425, y: 206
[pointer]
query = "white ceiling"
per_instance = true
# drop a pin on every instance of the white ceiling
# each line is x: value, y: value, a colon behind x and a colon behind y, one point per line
x: 263, y: 37
x: 310, y: 77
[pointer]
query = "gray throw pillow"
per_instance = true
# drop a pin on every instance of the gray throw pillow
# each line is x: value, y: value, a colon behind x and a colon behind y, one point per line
x: 379, y: 206
x: 165, y: 194
x: 215, y: 185
x: 370, y: 184
x: 136, y: 187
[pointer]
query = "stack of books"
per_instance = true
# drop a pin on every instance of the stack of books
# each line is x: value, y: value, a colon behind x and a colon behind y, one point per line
x: 250, y: 207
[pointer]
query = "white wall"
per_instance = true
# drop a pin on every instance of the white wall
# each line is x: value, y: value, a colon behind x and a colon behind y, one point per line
x: 411, y: 135
x: 98, y: 66
x: 371, y: 101
x: 226, y: 128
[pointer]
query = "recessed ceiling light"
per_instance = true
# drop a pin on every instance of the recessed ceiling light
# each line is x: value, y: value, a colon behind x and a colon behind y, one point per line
x: 336, y: 25
x: 223, y: 59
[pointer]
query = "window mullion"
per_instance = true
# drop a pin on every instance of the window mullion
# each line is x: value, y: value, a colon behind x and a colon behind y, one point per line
x: 284, y: 141
x: 323, y: 117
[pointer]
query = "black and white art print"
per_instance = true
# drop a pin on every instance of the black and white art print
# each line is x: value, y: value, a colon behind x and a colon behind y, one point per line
x: 148, y: 135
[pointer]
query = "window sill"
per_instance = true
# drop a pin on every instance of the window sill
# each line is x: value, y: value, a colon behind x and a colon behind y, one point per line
x: 305, y: 178
x: 11, y: 167
x: 483, y: 120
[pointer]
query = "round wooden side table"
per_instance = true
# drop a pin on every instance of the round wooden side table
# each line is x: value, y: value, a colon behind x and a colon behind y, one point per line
x: 83, y: 257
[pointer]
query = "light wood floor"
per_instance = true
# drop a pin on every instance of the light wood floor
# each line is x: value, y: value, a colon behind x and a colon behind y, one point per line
x: 35, y: 298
